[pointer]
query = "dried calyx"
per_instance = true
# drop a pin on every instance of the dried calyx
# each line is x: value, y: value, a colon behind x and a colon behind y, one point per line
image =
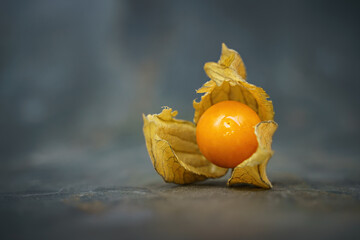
x: 171, y: 143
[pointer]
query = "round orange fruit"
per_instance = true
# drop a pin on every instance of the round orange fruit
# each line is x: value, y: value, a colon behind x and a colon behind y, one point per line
x: 225, y: 133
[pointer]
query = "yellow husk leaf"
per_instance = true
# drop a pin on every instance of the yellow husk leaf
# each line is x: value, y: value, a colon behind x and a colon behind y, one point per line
x: 253, y: 170
x: 173, y: 150
x: 228, y: 83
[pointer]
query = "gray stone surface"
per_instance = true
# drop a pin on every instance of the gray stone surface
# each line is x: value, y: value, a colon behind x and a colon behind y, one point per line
x: 293, y: 209
x: 116, y: 194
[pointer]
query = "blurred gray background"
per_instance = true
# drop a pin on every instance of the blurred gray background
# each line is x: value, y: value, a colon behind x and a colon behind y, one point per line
x: 75, y: 77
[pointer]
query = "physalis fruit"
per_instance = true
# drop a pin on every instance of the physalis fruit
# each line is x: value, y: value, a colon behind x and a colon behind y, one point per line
x: 233, y: 128
x: 225, y: 133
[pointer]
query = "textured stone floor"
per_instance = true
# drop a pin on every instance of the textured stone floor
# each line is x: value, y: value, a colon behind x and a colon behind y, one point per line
x: 116, y: 194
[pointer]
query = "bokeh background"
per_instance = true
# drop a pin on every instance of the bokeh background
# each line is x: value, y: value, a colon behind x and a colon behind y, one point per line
x: 76, y: 76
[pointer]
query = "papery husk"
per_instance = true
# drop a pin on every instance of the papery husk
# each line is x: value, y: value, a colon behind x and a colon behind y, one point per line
x: 228, y: 83
x: 171, y: 143
x: 253, y: 170
x: 173, y: 150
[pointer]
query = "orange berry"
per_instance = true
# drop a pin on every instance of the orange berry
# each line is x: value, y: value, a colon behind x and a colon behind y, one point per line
x: 225, y: 133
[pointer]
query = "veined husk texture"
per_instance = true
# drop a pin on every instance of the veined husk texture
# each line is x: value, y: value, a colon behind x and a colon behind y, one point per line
x: 172, y: 147
x: 171, y: 143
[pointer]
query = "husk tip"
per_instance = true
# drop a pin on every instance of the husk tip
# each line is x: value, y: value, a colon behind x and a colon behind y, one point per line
x: 224, y: 47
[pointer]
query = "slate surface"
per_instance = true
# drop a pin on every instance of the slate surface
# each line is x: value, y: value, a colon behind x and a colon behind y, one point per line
x: 118, y: 195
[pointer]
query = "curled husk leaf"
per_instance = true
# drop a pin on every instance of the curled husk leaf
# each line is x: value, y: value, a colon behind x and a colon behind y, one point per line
x: 171, y: 143
x: 173, y: 150
x: 253, y: 170
x: 228, y: 83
